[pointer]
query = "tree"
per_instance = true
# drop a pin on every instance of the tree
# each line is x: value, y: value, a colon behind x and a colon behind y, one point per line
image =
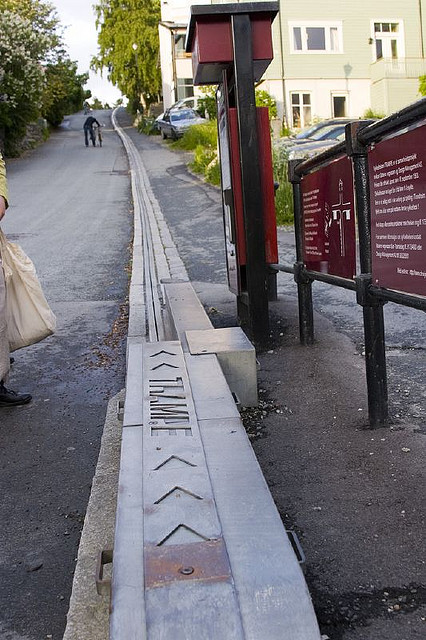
x: 21, y: 76
x: 63, y: 90
x: 36, y: 75
x: 264, y: 99
x: 129, y: 47
x: 29, y: 37
x: 207, y: 102
x: 44, y: 24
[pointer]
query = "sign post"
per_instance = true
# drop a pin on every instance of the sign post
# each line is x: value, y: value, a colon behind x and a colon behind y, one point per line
x: 372, y: 308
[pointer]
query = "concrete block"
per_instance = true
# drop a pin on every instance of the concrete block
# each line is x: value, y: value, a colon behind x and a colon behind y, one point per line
x: 210, y: 391
x: 185, y: 310
x: 236, y: 355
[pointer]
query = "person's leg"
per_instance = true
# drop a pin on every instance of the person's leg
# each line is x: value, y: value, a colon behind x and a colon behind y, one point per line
x: 86, y: 137
x: 92, y: 136
x: 8, y: 398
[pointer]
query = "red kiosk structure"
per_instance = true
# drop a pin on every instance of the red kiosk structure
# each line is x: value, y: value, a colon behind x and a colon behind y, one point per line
x: 231, y: 46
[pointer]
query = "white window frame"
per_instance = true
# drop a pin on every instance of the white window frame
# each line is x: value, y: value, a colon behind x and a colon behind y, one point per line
x: 303, y: 124
x: 327, y: 26
x: 396, y: 35
x: 340, y: 94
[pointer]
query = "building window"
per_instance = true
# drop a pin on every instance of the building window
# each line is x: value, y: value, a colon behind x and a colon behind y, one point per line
x: 316, y: 37
x: 301, y: 110
x: 179, y: 39
x: 185, y: 88
x: 388, y: 39
x: 339, y: 103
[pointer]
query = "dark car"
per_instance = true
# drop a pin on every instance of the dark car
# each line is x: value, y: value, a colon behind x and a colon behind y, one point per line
x: 175, y: 122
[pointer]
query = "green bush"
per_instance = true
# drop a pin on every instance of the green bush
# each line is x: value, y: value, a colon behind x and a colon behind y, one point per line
x: 213, y: 172
x: 204, y: 134
x: 284, y: 193
x: 264, y: 99
x: 147, y: 126
x: 371, y: 114
x: 202, y: 158
x: 207, y: 105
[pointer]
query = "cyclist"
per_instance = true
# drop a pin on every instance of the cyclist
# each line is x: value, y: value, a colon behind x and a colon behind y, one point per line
x: 88, y: 130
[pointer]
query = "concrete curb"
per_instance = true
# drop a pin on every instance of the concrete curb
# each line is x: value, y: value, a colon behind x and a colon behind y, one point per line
x: 88, y: 614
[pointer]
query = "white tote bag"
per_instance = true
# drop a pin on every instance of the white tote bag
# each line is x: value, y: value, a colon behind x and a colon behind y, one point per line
x: 28, y: 315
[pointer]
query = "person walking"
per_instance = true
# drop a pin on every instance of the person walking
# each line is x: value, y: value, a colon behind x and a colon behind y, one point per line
x: 88, y: 130
x: 8, y: 398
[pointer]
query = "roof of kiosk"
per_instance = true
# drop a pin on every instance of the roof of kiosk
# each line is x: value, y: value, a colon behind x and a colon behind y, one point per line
x: 209, y: 38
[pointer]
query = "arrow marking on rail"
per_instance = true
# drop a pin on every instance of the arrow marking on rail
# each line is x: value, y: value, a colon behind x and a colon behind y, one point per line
x: 178, y: 491
x: 167, y: 353
x: 174, y: 458
x: 164, y: 364
x: 189, y: 534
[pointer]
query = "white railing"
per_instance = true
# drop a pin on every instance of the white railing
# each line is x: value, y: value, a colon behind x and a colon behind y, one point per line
x: 397, y: 68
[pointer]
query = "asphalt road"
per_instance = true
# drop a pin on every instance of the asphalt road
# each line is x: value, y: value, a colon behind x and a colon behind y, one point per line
x: 71, y: 212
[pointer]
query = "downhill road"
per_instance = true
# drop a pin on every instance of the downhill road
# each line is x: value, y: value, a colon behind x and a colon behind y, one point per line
x: 70, y: 210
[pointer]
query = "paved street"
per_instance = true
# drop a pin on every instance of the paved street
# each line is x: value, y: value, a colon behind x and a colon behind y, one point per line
x: 71, y: 212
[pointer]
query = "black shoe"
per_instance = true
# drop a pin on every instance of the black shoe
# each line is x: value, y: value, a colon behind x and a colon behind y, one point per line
x: 12, y: 360
x: 9, y: 398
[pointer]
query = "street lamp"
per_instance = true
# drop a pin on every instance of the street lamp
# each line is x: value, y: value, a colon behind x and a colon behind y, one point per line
x: 135, y: 49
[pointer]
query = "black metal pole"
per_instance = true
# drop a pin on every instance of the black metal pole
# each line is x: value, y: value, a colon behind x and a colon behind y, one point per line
x: 374, y: 331
x: 256, y: 268
x: 303, y: 281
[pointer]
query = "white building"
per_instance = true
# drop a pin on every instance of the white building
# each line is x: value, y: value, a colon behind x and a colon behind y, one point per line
x: 331, y: 59
x: 176, y: 65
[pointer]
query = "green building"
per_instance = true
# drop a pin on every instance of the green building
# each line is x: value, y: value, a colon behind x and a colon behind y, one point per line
x: 338, y: 58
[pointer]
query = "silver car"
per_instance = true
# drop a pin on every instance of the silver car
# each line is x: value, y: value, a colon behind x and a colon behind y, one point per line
x: 175, y: 122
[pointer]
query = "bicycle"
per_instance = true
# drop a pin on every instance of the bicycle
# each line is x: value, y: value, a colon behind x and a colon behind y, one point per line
x: 97, y: 134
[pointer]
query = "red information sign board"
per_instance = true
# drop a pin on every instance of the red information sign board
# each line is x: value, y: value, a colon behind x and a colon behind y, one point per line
x: 328, y: 219
x: 398, y: 211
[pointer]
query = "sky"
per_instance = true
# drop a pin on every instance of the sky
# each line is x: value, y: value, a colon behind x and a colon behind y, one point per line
x: 81, y: 40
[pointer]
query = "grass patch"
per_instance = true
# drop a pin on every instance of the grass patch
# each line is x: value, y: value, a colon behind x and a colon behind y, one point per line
x: 199, y: 134
x: 284, y: 194
x: 147, y: 126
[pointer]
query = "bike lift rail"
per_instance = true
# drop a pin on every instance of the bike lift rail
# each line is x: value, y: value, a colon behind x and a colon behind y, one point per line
x: 200, y: 550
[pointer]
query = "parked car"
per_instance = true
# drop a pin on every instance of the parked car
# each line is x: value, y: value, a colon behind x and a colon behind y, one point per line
x: 319, y: 141
x: 157, y: 120
x: 330, y: 132
x: 187, y: 103
x: 175, y: 122
x: 303, y: 151
x: 309, y: 131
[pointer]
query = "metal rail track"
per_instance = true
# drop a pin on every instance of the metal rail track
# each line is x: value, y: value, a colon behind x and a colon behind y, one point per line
x: 154, y: 258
